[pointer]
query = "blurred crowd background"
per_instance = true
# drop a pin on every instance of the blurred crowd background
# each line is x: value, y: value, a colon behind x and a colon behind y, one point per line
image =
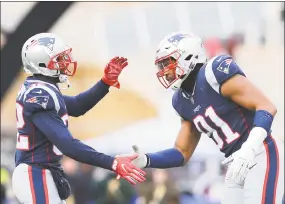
x: 141, y: 112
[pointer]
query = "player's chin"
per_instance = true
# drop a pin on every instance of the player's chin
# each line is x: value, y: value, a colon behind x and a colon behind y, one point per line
x: 170, y: 80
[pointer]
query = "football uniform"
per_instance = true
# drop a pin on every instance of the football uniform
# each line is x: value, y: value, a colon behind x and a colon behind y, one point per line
x: 228, y: 125
x: 43, y: 137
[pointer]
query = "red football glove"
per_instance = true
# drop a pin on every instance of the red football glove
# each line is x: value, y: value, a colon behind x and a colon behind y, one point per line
x: 124, y: 168
x: 113, y: 69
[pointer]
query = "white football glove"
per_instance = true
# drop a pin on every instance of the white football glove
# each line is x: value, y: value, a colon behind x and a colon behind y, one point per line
x: 244, y: 159
x: 141, y: 160
x: 240, y: 163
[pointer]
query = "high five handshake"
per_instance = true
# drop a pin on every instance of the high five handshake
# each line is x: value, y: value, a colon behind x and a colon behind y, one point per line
x: 213, y: 97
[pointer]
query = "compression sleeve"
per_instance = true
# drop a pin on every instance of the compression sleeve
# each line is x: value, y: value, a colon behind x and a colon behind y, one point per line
x: 165, y: 159
x: 49, y: 123
x: 83, y: 102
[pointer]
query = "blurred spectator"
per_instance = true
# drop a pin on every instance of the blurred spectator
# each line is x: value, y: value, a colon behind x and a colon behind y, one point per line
x: 232, y: 43
x: 3, y: 194
x: 190, y: 198
x: 214, y: 47
x: 4, y: 36
x: 113, y: 191
x: 5, y: 185
x: 159, y: 189
x: 81, y: 183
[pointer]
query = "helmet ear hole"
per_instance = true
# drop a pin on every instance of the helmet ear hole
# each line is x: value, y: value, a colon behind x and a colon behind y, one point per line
x: 188, y: 57
x: 42, y: 65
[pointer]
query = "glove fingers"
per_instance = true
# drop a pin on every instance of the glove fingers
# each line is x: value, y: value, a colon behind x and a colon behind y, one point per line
x: 133, y: 169
x: 114, y: 59
x: 130, y: 180
x: 138, y: 170
x: 138, y: 177
x: 136, y: 173
x: 135, y: 148
x: 121, y: 60
x: 124, y: 64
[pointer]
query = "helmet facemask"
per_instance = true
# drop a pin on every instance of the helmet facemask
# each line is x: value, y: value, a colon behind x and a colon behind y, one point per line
x: 63, y: 62
x: 169, y: 70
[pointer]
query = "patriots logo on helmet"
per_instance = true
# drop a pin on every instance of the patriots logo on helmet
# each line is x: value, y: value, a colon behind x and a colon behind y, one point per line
x: 176, y: 38
x: 40, y: 100
x: 225, y: 66
x: 47, y: 42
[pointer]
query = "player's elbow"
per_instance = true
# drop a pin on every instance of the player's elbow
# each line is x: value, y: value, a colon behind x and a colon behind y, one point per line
x: 186, y: 159
x: 273, y: 110
x: 269, y: 107
x: 77, y: 113
x: 185, y: 154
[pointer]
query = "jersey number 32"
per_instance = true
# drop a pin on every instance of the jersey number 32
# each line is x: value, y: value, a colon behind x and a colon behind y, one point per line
x: 23, y: 140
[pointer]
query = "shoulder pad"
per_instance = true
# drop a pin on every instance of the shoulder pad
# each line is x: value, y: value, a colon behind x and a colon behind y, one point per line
x: 219, y: 69
x: 40, y: 97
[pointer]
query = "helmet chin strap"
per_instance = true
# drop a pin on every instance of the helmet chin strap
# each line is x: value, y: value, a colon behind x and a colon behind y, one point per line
x: 63, y: 79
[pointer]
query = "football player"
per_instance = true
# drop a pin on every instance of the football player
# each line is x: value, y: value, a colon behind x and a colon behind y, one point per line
x: 42, y: 121
x: 215, y: 98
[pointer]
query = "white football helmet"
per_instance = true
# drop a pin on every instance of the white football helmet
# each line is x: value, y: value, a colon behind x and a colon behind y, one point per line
x: 46, y: 54
x: 178, y: 52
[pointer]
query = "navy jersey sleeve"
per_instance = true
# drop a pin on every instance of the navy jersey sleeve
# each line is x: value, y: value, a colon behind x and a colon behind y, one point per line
x: 83, y: 102
x: 51, y: 125
x: 39, y: 98
x: 219, y: 70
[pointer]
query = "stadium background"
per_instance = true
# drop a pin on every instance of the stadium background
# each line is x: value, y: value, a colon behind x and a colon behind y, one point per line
x: 141, y: 112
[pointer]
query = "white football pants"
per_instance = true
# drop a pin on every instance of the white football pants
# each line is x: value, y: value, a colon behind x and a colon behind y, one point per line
x: 33, y: 185
x: 264, y: 183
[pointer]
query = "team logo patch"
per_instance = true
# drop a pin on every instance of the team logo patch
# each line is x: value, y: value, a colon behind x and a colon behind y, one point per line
x: 47, y: 42
x: 225, y: 66
x: 40, y: 100
x: 177, y: 38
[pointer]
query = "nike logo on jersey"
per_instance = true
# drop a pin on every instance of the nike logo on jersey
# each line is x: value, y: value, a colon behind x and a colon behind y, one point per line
x: 38, y: 92
x: 197, y: 109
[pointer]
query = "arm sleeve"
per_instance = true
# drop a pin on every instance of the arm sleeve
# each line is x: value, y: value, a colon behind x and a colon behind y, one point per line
x: 219, y: 70
x: 51, y: 125
x: 83, y: 102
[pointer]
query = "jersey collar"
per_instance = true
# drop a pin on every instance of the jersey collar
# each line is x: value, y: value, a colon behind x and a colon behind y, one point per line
x: 43, y: 79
